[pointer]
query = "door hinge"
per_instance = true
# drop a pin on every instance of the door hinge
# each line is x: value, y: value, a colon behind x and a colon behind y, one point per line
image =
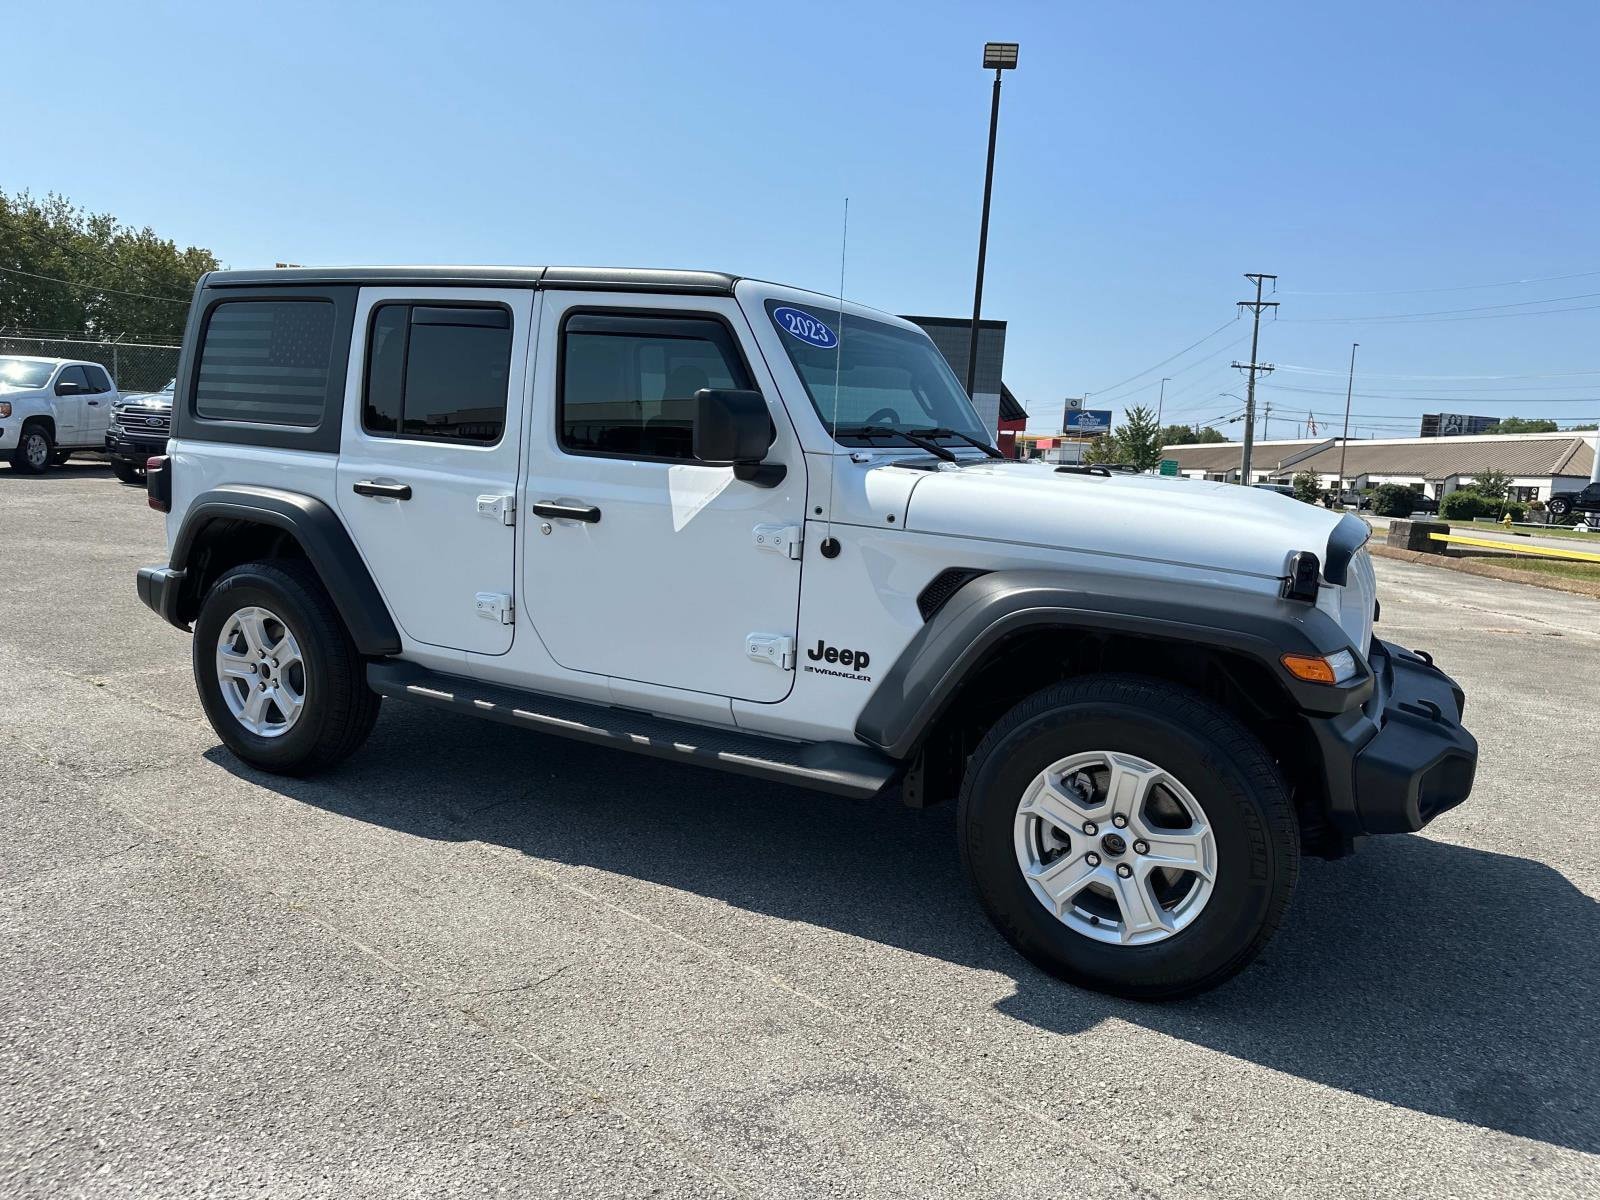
x: 780, y: 539
x: 495, y: 606
x: 774, y: 648
x: 502, y: 507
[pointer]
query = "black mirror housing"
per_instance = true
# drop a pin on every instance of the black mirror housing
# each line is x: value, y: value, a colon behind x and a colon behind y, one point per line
x: 732, y: 425
x: 66, y: 387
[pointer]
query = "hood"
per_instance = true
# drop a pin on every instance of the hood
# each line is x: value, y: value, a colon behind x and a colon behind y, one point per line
x: 147, y: 400
x: 1186, y: 521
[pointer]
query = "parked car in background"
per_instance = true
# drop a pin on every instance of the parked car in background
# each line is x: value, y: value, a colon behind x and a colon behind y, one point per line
x: 1351, y: 498
x: 1563, y: 504
x: 1423, y: 503
x: 50, y: 407
x: 138, y: 430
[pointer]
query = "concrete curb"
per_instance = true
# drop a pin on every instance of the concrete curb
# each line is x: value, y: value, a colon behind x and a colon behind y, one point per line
x: 1469, y: 566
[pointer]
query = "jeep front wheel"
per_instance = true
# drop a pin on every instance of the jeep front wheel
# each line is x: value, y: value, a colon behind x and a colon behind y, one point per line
x: 1128, y: 835
x: 279, y: 677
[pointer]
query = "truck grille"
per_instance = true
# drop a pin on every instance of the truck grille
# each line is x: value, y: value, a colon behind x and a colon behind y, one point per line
x: 143, y: 423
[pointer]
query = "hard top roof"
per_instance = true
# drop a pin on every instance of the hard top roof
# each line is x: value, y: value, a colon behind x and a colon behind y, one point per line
x: 618, y: 278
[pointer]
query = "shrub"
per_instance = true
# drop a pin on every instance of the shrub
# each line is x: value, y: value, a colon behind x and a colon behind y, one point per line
x: 1392, y: 500
x: 1465, y: 504
x: 1305, y: 487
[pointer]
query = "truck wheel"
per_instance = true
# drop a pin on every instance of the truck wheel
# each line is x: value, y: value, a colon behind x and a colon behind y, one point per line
x: 126, y: 471
x: 32, y: 452
x: 1560, y: 507
x: 1129, y: 836
x: 279, y: 677
x: 59, y: 458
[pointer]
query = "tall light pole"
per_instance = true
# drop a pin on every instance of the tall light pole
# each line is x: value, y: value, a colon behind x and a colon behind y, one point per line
x: 1001, y: 56
x: 1349, y: 390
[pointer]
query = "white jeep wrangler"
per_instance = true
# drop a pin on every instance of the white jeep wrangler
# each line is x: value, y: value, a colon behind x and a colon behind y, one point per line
x: 753, y: 528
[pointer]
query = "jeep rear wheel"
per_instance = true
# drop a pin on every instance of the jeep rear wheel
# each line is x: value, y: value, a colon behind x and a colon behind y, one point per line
x: 278, y: 675
x: 33, y: 449
x: 1130, y: 836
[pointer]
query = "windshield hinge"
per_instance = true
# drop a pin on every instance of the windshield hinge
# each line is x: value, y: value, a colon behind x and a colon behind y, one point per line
x: 780, y: 539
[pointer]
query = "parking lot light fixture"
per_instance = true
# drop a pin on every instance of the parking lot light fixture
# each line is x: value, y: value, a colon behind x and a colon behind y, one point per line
x: 999, y: 57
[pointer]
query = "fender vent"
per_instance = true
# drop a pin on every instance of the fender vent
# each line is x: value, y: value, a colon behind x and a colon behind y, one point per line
x: 942, y: 586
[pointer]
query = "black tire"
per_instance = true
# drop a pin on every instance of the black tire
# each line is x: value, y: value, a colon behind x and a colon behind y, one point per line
x: 1560, y: 507
x: 1226, y: 770
x: 126, y: 471
x: 339, y: 707
x: 25, y: 456
x: 59, y: 458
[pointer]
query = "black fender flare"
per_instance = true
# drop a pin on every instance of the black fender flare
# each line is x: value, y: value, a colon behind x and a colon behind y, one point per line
x: 323, y: 537
x: 994, y: 607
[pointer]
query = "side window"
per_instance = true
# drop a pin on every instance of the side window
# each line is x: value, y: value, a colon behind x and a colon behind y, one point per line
x: 72, y: 375
x: 99, y: 381
x: 266, y: 362
x: 627, y: 381
x: 437, y: 372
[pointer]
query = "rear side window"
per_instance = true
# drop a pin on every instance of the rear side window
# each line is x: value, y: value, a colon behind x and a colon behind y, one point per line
x: 98, y: 379
x: 628, y: 381
x: 438, y: 372
x: 266, y: 362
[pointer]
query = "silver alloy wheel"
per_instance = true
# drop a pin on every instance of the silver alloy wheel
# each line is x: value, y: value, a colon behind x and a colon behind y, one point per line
x: 1116, y: 848
x: 36, y: 447
x: 261, y: 672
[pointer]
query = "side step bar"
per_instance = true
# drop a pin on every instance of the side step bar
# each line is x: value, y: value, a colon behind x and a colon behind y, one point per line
x: 837, y: 767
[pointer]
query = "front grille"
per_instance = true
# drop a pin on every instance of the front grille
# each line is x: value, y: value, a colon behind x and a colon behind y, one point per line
x: 143, y: 424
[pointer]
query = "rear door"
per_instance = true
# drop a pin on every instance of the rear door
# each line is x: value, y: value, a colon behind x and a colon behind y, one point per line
x: 429, y: 455
x: 97, y: 405
x: 668, y: 571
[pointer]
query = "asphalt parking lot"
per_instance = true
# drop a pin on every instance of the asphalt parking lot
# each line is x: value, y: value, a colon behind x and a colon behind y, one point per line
x: 477, y: 961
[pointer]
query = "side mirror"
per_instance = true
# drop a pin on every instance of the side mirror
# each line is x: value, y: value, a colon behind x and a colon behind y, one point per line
x: 65, y: 387
x: 732, y: 426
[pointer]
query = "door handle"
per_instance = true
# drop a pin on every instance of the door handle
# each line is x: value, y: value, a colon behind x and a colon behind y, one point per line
x: 567, y: 512
x: 95, y: 402
x: 388, y: 491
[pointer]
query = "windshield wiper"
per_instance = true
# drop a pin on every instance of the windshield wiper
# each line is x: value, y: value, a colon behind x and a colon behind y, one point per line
x: 921, y: 443
x: 938, y: 432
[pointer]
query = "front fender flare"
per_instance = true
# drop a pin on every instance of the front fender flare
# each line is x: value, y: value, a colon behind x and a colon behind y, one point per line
x: 323, y: 537
x: 997, y: 606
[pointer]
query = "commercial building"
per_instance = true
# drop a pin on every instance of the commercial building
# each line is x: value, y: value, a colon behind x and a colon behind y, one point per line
x: 1537, y: 463
x: 995, y: 404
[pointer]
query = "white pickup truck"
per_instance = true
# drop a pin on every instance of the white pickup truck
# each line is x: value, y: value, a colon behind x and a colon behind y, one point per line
x: 734, y: 524
x: 50, y: 407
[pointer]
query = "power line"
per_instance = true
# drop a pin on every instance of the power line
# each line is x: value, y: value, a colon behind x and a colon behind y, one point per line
x: 1461, y: 287
x: 1141, y: 374
x: 1446, y: 312
x: 89, y: 287
x: 1422, y: 319
x: 84, y: 251
x: 1412, y: 397
x: 1302, y: 370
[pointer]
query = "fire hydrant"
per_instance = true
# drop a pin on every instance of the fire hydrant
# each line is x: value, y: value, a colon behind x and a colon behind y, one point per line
x: 1506, y: 520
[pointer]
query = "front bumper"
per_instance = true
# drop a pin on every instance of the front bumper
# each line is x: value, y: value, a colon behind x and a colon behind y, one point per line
x: 134, y: 450
x: 160, y: 588
x: 1402, y: 758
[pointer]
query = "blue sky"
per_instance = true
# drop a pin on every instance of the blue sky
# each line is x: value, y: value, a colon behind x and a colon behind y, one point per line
x: 1149, y: 155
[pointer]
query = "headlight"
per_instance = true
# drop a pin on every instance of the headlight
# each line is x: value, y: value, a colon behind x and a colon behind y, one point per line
x: 5, y: 408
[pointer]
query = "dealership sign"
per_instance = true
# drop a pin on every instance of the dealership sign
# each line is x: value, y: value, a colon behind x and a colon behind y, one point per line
x: 1088, y: 422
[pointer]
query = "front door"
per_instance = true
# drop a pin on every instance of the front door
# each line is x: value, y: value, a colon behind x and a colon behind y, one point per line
x: 68, y: 405
x: 429, y: 453
x: 642, y: 563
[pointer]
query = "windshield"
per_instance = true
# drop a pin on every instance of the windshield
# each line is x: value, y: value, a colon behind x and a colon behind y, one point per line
x: 887, y: 376
x: 20, y: 373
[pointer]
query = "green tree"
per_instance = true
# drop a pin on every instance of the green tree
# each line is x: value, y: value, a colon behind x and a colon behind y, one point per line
x: 1306, y: 487
x: 1185, y: 435
x: 1141, y: 439
x: 1492, y: 485
x: 1522, y: 425
x: 73, y: 273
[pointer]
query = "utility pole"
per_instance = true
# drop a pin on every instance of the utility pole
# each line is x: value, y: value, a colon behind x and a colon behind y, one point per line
x: 1254, y: 367
x: 1266, y: 422
x: 1349, y: 390
x: 1161, y: 400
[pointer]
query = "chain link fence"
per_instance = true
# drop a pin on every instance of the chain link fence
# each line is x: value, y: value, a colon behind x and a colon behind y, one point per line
x: 134, y: 366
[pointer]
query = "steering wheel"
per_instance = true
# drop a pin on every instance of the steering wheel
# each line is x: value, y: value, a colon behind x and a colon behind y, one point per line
x: 884, y: 416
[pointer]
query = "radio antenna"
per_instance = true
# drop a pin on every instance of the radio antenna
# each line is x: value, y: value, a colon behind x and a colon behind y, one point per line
x: 830, y: 547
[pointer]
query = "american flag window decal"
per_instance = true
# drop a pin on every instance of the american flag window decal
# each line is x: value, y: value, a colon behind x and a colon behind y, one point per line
x: 266, y: 361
